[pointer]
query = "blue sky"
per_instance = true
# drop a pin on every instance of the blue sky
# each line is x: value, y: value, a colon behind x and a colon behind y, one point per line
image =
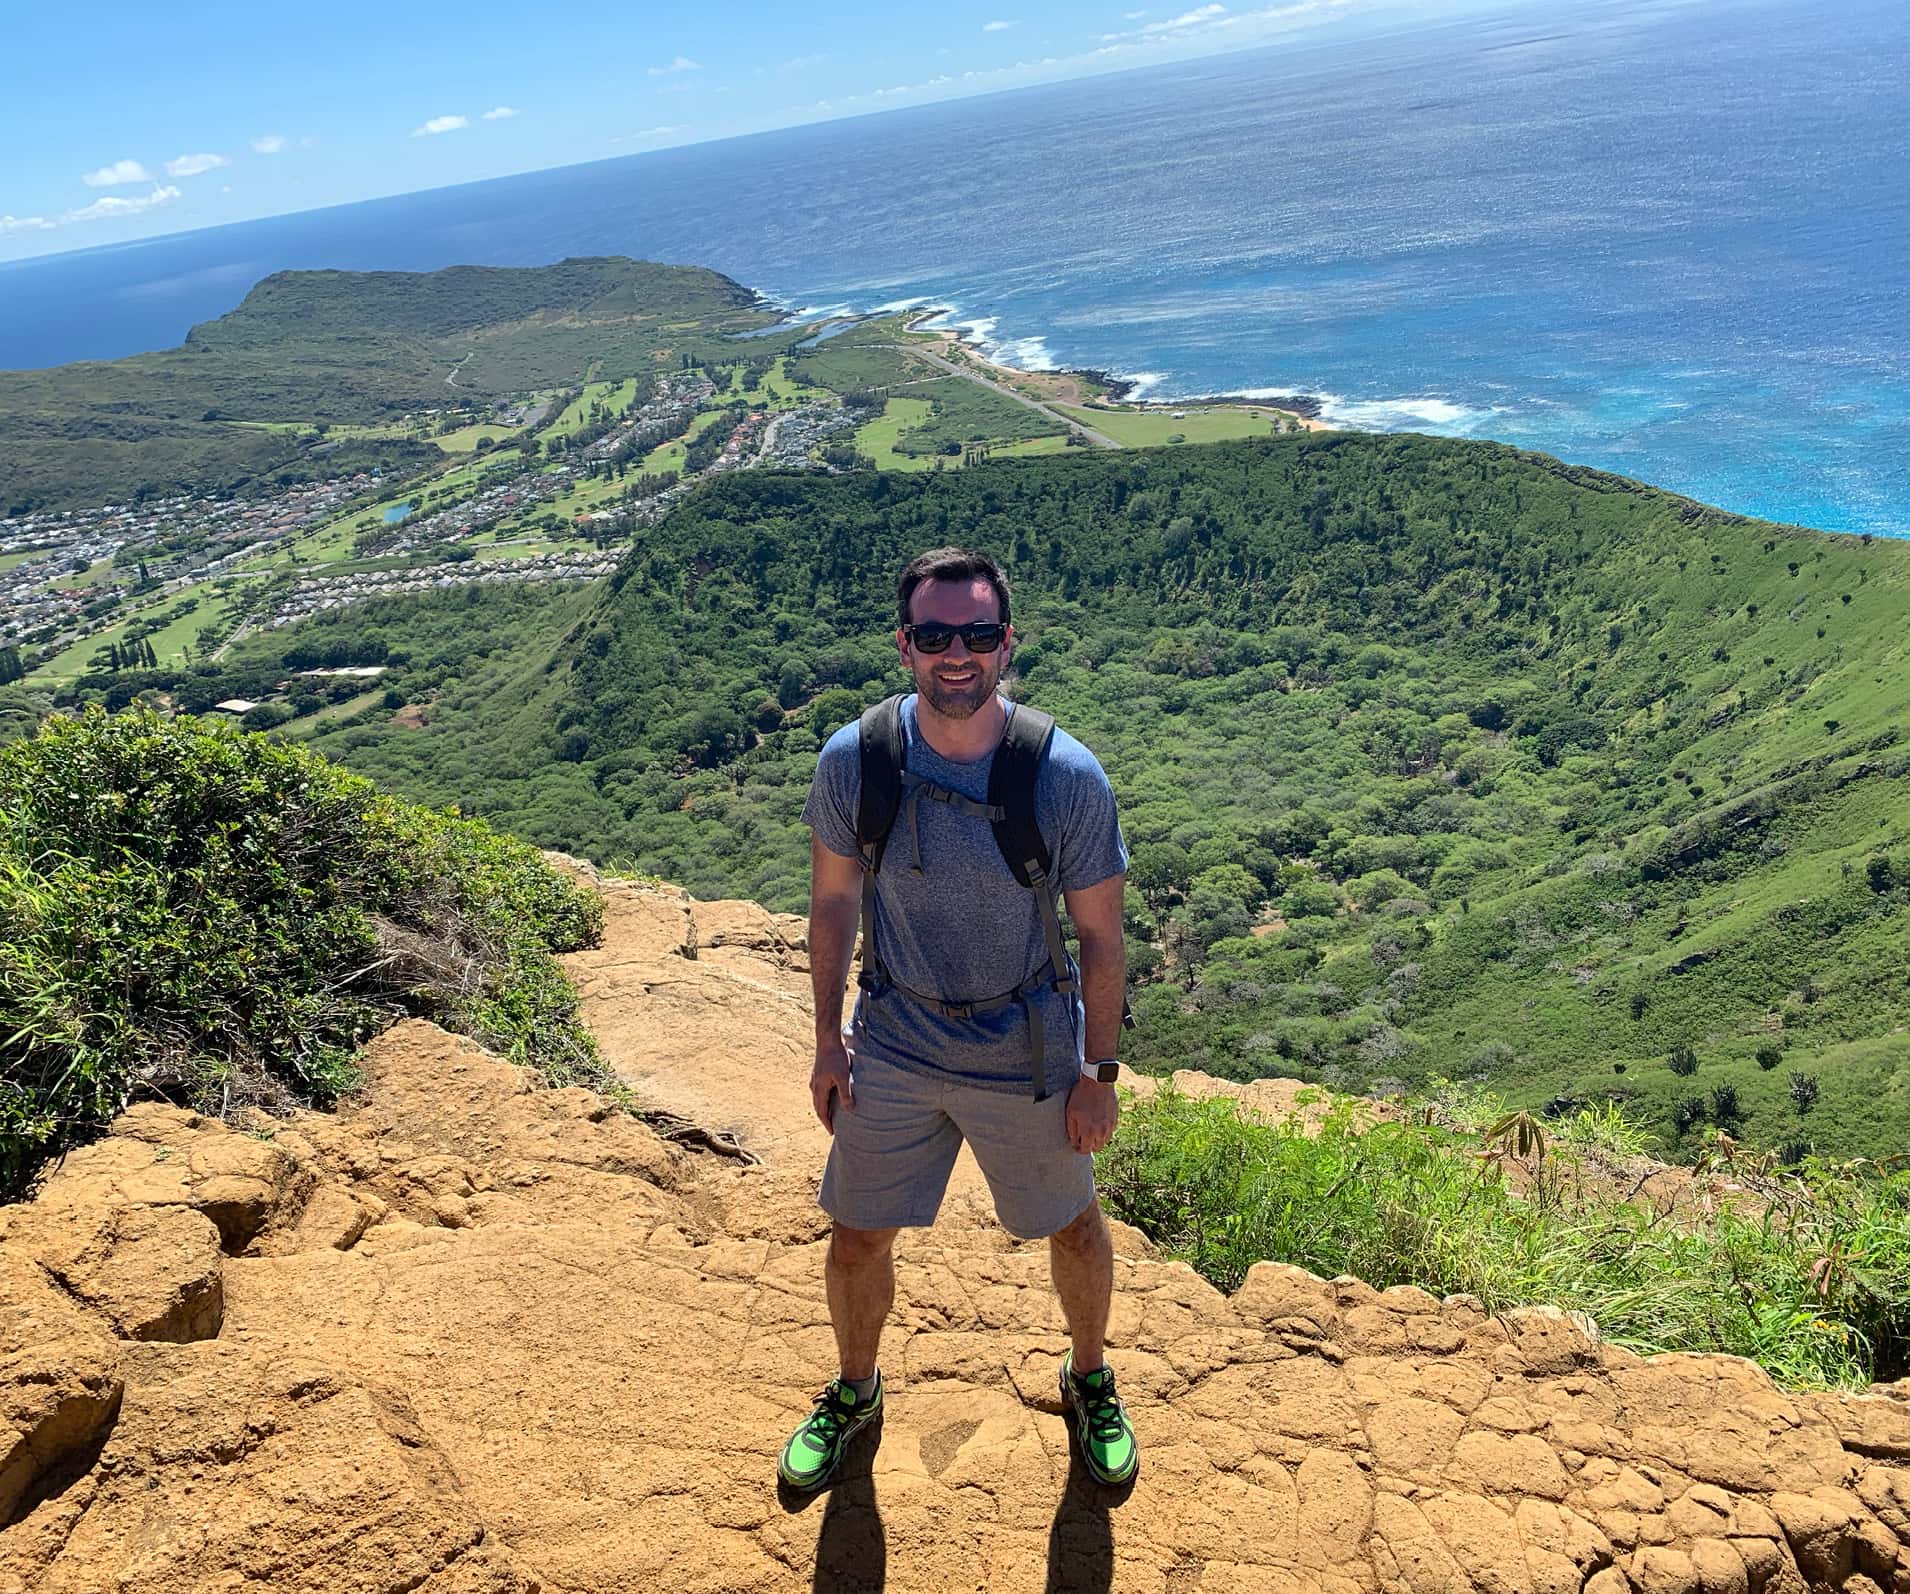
x: 132, y: 122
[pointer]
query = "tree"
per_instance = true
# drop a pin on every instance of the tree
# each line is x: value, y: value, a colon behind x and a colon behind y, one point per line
x: 1687, y: 1113
x: 1803, y: 1093
x: 1880, y: 874
x: 1724, y: 1103
x: 1639, y: 1002
x: 10, y: 668
x: 1683, y: 1062
x: 1769, y: 1056
x: 1160, y: 870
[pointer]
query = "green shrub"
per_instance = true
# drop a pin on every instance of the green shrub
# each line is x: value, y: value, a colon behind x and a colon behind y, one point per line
x: 191, y: 911
x: 1812, y: 1281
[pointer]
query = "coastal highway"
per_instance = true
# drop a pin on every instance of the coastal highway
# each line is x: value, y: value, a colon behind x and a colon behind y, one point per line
x: 1099, y: 439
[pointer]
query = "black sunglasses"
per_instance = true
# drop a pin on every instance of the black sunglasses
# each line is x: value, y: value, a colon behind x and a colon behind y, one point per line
x: 983, y: 636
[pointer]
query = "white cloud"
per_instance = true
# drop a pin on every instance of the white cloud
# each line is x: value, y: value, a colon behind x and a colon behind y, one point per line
x: 998, y: 27
x: 105, y: 208
x: 659, y: 132
x: 499, y: 113
x: 1132, y: 16
x: 441, y: 124
x: 681, y: 64
x: 1187, y: 21
x: 1205, y: 30
x: 120, y: 172
x: 797, y: 63
x: 193, y: 165
x: 112, y: 205
x: 270, y: 144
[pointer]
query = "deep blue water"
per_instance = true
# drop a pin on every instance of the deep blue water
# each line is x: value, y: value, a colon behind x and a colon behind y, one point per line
x: 1668, y: 239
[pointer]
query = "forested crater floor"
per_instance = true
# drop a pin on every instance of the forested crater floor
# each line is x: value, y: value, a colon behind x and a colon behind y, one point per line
x: 471, y: 1335
x: 1436, y: 759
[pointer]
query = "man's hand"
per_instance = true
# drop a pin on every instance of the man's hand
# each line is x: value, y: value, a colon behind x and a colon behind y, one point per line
x: 1093, y: 1110
x: 830, y: 1079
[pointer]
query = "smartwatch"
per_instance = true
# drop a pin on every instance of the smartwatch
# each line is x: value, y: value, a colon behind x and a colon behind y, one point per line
x: 1107, y: 1071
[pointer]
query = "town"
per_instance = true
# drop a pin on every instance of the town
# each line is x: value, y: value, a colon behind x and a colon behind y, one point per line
x: 550, y: 493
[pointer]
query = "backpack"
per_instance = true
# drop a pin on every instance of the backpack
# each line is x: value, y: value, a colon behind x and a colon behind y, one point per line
x: 888, y: 788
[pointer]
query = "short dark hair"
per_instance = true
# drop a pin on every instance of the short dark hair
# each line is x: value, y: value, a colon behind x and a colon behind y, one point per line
x: 949, y: 564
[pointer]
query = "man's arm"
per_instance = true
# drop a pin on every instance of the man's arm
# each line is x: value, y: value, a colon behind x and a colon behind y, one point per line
x: 835, y: 905
x: 1096, y: 910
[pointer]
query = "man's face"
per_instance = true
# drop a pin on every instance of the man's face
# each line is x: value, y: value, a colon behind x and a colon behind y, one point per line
x: 956, y: 683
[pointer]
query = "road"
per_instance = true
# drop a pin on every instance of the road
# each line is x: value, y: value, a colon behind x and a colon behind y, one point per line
x: 1099, y: 439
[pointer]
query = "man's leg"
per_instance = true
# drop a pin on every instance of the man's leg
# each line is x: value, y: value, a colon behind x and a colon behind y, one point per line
x: 1081, y: 1261
x: 860, y: 1276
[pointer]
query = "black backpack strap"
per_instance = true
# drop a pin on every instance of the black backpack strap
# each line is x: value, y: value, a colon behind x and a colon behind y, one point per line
x: 1011, y: 788
x: 881, y: 796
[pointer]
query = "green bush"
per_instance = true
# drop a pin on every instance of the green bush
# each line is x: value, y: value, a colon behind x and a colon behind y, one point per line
x: 193, y: 912
x: 1812, y: 1280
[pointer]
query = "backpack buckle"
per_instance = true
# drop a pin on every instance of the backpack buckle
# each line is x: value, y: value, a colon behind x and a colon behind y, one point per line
x: 958, y: 1010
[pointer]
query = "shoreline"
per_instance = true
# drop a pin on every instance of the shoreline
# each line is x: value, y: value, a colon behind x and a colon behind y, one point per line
x: 1091, y: 388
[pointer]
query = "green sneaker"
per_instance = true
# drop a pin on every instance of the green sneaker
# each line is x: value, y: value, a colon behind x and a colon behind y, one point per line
x: 1100, y: 1423
x: 817, y: 1445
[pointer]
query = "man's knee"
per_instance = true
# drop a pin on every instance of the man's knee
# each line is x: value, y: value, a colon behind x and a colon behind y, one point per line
x: 1086, y: 1234
x: 859, y: 1247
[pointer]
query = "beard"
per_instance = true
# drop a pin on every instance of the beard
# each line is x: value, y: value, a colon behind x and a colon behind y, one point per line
x: 957, y: 702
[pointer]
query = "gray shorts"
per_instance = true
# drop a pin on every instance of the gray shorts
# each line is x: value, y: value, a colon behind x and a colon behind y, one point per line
x: 891, y: 1157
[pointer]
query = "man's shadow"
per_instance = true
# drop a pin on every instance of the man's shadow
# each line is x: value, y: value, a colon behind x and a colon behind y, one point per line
x: 1081, y: 1540
x: 852, y: 1551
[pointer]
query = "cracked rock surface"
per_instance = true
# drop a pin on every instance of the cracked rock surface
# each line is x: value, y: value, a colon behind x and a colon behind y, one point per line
x: 467, y: 1336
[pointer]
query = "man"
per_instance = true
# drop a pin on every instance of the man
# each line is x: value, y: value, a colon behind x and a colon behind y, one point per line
x: 962, y: 1004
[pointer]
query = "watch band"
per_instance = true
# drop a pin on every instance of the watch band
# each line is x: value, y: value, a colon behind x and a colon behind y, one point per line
x: 1107, y: 1070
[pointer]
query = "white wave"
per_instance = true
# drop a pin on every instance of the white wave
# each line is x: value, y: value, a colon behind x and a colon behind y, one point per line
x: 1402, y: 414
x: 1290, y: 391
x: 1141, y: 382
x: 895, y: 305
x: 1025, y: 354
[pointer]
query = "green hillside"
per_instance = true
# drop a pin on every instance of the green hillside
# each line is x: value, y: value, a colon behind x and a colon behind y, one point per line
x: 1437, y: 758
x: 348, y: 347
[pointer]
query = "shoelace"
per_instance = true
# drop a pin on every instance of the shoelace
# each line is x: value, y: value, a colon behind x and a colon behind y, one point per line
x: 832, y: 1415
x: 1104, y: 1408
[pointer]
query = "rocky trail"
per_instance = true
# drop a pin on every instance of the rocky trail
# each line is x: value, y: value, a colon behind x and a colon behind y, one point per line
x: 470, y: 1337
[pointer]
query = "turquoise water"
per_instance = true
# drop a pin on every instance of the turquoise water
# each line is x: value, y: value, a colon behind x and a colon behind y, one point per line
x: 1664, y: 239
x: 398, y: 512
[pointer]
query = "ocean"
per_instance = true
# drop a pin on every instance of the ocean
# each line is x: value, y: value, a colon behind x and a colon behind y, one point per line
x: 1666, y: 239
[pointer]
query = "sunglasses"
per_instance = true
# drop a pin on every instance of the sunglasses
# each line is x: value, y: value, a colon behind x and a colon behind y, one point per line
x: 983, y: 636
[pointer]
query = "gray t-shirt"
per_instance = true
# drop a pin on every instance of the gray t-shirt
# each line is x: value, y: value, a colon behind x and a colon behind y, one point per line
x: 964, y: 928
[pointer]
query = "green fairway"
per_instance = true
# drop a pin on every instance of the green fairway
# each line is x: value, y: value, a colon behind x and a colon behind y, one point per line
x: 899, y: 417
x: 669, y: 456
x: 614, y: 397
x: 9, y: 561
x: 465, y: 439
x: 1157, y: 429
x: 215, y: 603
x: 780, y: 390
